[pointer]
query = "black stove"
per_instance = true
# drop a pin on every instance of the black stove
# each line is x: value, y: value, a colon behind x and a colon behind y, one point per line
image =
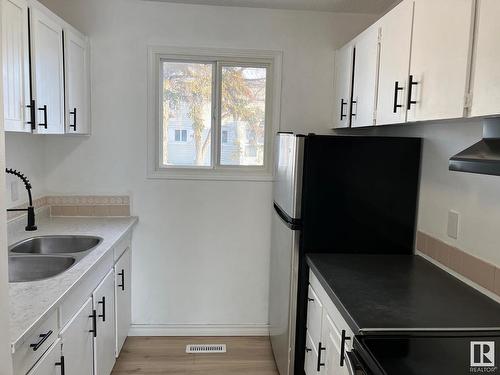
x: 426, y: 353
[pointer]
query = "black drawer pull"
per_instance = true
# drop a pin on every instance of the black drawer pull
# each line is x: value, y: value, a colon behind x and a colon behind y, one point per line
x: 411, y: 83
x: 94, y: 323
x: 74, y: 119
x: 103, y: 303
x: 320, y: 364
x: 122, y: 275
x: 310, y: 299
x: 308, y: 350
x: 44, y: 109
x: 353, y: 102
x: 61, y: 363
x: 397, y: 89
x: 32, y: 107
x: 43, y: 338
x: 342, y: 347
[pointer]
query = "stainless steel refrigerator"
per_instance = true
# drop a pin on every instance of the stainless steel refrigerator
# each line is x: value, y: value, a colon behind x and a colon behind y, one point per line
x: 333, y: 194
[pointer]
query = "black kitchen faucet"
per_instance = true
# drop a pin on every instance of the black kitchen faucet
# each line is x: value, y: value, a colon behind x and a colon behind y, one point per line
x: 31, y: 210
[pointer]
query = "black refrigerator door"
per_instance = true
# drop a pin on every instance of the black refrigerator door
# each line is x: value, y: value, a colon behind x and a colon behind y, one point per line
x: 360, y: 194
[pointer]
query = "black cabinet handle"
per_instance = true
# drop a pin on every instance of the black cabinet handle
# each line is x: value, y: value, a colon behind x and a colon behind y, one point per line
x: 308, y: 350
x: 32, y: 107
x: 411, y: 83
x: 61, y: 363
x: 342, y: 347
x: 320, y: 349
x: 103, y: 303
x: 353, y: 102
x: 74, y: 119
x: 122, y: 285
x: 43, y: 338
x: 310, y: 299
x: 94, y: 323
x: 44, y: 109
x: 342, y: 104
x: 397, y: 89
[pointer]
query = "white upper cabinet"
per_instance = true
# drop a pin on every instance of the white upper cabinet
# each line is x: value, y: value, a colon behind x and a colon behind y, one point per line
x: 395, y: 44
x: 15, y: 53
x: 440, y: 59
x: 344, y: 60
x: 47, y: 71
x: 486, y: 62
x: 365, y: 78
x: 77, y: 83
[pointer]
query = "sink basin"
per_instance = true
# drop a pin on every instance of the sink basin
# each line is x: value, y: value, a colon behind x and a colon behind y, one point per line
x: 34, y: 268
x: 55, y: 245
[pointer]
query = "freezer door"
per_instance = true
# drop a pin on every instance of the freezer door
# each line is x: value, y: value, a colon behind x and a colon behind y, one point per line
x: 288, y: 173
x: 283, y: 293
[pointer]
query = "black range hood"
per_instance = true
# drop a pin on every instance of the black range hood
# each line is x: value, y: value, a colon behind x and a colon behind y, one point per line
x: 484, y: 156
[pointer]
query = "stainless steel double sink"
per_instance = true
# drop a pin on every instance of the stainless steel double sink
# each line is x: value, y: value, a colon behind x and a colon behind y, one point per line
x: 43, y: 257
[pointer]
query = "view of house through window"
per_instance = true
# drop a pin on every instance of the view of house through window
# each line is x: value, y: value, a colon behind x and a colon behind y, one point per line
x: 191, y: 120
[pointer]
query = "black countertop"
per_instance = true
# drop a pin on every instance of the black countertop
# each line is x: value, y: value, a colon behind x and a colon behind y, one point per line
x: 401, y: 292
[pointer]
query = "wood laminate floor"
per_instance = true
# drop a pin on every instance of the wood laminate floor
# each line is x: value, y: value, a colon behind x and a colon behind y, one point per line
x: 167, y: 355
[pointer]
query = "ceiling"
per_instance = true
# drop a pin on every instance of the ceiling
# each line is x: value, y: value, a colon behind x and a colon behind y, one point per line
x: 346, y: 6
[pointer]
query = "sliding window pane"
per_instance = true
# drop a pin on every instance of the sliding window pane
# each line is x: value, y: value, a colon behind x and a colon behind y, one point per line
x: 243, y: 108
x: 187, y: 114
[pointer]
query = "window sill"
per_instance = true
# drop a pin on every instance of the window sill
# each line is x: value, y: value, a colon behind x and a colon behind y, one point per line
x: 209, y: 175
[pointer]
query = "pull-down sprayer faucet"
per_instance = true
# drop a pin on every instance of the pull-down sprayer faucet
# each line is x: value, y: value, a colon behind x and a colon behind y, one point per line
x: 31, y: 210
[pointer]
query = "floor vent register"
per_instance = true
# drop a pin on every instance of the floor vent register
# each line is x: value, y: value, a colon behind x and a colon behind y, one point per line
x: 210, y: 348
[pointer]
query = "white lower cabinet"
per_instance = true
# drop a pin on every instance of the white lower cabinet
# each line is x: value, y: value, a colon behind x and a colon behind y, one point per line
x: 95, y: 320
x: 77, y: 343
x: 51, y: 362
x: 103, y: 300
x: 328, y: 336
x: 123, y: 299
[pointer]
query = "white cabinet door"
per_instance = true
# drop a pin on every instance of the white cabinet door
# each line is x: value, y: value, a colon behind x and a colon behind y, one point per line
x: 123, y: 299
x: 440, y: 59
x: 314, y: 313
x: 77, y: 340
x: 365, y: 78
x: 76, y: 70
x: 330, y: 344
x: 342, y: 86
x: 486, y: 72
x: 395, y: 45
x: 311, y: 357
x: 105, y: 343
x: 51, y: 361
x: 15, y: 55
x: 47, y: 70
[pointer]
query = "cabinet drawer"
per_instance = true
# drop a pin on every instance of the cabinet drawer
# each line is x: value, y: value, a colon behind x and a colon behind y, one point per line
x: 122, y: 245
x: 314, y: 312
x: 44, y: 335
x: 50, y: 363
x: 311, y: 357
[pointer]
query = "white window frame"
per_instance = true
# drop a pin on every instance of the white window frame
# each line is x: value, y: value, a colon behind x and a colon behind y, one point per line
x: 272, y: 60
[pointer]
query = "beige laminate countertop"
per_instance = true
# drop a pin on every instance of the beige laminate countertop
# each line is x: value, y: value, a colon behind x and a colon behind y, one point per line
x: 31, y: 302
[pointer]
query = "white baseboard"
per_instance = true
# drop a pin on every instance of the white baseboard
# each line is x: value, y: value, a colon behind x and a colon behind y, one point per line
x: 199, y: 330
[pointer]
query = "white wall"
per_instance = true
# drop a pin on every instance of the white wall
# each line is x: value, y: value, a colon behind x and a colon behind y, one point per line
x: 26, y: 153
x: 201, y: 249
x: 475, y: 197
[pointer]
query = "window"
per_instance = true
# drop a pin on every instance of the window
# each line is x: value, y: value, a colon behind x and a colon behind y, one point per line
x: 215, y: 115
x: 180, y: 135
x: 224, y: 136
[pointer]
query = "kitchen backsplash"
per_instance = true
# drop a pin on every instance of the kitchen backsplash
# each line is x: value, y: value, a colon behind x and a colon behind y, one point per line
x: 80, y: 205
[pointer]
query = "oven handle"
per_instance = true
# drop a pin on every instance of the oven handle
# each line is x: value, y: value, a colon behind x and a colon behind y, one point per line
x: 353, y: 365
